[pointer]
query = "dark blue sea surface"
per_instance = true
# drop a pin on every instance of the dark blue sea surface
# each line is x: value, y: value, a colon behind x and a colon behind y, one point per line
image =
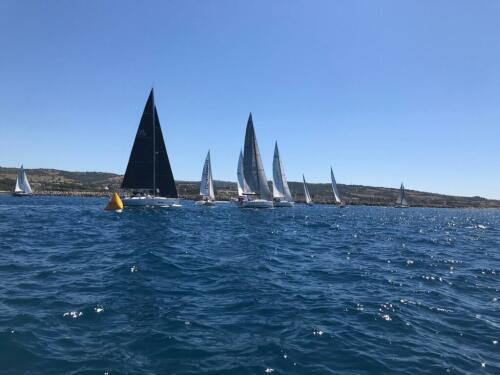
x: 307, y: 290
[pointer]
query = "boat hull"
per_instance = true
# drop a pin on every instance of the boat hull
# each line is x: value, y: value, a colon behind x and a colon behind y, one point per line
x: 284, y: 204
x: 401, y: 206
x: 151, y: 202
x: 21, y: 194
x: 257, y: 203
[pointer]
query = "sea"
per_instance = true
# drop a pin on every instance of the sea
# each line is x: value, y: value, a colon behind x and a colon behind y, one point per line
x: 224, y: 290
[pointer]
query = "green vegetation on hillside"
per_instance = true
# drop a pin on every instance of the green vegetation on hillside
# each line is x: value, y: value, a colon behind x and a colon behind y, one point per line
x: 53, y: 181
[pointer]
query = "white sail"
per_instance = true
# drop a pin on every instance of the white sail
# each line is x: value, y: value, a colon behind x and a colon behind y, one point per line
x: 306, y: 191
x: 18, y: 186
x: 242, y: 185
x: 334, y: 188
x: 280, y: 183
x: 402, y: 196
x: 207, y: 185
x: 22, y: 184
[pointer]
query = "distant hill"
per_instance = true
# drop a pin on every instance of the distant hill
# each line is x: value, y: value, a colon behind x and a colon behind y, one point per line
x: 53, y: 181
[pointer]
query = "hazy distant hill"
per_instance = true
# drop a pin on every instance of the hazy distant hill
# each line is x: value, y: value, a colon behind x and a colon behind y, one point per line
x: 45, y: 181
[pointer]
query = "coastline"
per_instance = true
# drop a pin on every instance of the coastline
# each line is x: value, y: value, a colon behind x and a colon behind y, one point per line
x: 53, y: 182
x: 227, y: 197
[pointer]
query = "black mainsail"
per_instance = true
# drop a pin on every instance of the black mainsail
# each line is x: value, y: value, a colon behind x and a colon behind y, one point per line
x: 148, y: 166
x: 253, y: 170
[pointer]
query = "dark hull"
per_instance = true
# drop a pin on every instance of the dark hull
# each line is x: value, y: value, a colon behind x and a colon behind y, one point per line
x: 22, y: 194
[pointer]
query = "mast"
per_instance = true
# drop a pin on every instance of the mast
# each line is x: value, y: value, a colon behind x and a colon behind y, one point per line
x: 154, y: 144
x: 253, y: 170
x: 211, y: 192
x: 254, y: 140
x: 149, y: 143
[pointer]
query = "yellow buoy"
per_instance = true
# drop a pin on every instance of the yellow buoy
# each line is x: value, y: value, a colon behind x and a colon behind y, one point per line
x: 115, y: 203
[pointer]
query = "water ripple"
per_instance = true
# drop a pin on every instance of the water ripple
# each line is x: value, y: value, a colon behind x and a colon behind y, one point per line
x: 308, y: 290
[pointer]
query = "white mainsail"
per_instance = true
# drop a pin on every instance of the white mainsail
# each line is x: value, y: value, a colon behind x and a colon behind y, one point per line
x: 280, y: 183
x: 207, y: 185
x: 334, y: 187
x: 22, y: 184
x: 402, y: 196
x: 306, y: 191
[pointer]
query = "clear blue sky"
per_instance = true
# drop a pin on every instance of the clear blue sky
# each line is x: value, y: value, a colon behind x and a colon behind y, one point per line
x: 385, y: 91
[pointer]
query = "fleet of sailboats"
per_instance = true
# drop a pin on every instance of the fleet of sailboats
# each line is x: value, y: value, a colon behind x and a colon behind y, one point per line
x: 149, y: 180
x: 23, y: 187
x: 207, y: 185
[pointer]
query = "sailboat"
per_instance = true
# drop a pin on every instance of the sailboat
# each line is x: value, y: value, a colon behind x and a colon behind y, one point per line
x: 148, y: 173
x: 307, y: 195
x: 23, y: 187
x: 401, y: 202
x: 254, y: 186
x: 281, y: 192
x: 206, y: 184
x: 336, y: 194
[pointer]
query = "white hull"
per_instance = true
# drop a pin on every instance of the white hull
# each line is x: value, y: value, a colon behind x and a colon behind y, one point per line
x: 257, y: 203
x: 402, y: 206
x: 283, y: 204
x: 151, y: 202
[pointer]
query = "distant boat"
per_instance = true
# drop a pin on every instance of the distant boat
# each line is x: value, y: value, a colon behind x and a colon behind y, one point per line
x: 281, y: 192
x: 335, y: 190
x: 148, y: 172
x: 23, y: 187
x: 206, y: 184
x: 401, y: 202
x: 255, y: 186
x: 309, y: 201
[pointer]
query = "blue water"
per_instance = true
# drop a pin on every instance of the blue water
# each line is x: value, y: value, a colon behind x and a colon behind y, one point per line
x: 308, y: 290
